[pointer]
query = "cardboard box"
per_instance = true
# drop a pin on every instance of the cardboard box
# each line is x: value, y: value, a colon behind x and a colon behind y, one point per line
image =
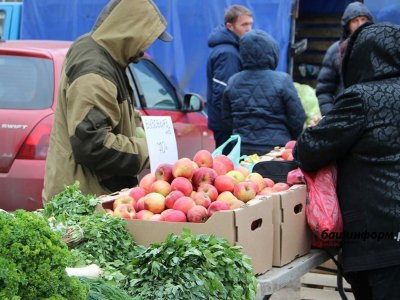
x: 292, y: 236
x: 250, y: 227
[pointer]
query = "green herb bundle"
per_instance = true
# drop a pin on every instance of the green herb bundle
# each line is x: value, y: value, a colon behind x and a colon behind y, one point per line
x: 70, y: 204
x: 192, y: 267
x: 33, y: 260
x: 108, y: 244
x: 102, y: 290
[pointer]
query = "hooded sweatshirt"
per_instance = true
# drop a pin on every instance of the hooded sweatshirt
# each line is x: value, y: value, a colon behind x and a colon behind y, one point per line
x: 329, y: 81
x: 261, y: 104
x: 93, y: 139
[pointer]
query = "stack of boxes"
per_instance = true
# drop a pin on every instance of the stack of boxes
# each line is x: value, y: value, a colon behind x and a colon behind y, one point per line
x: 272, y: 230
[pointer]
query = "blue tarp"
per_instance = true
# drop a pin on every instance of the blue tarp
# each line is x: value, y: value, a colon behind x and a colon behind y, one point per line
x: 384, y: 10
x: 189, y: 21
x: 319, y: 7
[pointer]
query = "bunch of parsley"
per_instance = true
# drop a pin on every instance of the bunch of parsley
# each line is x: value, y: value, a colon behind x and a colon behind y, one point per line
x: 108, y: 244
x: 33, y: 260
x: 192, y: 267
x: 70, y: 205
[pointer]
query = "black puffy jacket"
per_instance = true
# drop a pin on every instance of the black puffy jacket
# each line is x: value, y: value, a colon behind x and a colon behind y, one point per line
x: 261, y: 104
x: 362, y: 134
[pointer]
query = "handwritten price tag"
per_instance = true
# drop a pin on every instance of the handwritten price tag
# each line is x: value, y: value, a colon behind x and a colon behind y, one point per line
x: 161, y: 140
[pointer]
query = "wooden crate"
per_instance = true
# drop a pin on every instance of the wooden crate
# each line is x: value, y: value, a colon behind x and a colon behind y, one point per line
x: 317, y: 286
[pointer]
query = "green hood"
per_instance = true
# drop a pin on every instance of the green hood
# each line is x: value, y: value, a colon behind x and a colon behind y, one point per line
x: 126, y: 28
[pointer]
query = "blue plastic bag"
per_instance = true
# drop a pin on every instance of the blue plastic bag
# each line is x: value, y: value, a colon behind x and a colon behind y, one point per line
x: 234, y: 155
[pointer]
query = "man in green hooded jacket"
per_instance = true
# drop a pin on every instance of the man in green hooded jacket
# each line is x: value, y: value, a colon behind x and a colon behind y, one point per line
x: 94, y: 138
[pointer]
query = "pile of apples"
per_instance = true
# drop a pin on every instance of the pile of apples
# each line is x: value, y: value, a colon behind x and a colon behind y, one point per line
x: 287, y: 151
x: 192, y: 190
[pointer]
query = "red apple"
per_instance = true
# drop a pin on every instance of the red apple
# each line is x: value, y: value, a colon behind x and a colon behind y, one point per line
x: 172, y: 215
x: 236, y: 204
x: 258, y: 179
x: 160, y: 186
x: 201, y: 198
x: 165, y: 211
x: 183, y: 168
x: 184, y: 204
x: 203, y: 158
x: 197, y: 214
x: 171, y: 198
x: 144, y: 215
x: 244, y: 191
x: 156, y: 217
x: 219, y: 167
x: 236, y: 175
x: 287, y: 154
x: 243, y: 170
x: 139, y: 205
x: 290, y: 144
x: 280, y: 186
x: 230, y: 199
x: 224, y: 183
x: 269, y: 182
x: 255, y: 185
x: 164, y: 172
x: 266, y: 191
x: 137, y: 192
x: 125, y: 211
x: 146, y: 181
x: 226, y: 197
x: 210, y: 190
x: 226, y: 161
x: 217, y: 206
x: 154, y: 202
x: 123, y: 200
x: 182, y: 184
x: 203, y: 175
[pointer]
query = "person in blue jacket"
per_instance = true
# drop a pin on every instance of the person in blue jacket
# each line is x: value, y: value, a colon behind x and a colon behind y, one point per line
x: 223, y: 62
x: 329, y: 80
x: 261, y: 104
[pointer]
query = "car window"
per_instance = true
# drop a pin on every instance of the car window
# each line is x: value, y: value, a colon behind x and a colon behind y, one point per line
x: 25, y: 83
x: 156, y: 89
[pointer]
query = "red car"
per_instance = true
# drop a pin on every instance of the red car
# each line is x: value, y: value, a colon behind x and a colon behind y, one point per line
x: 29, y: 76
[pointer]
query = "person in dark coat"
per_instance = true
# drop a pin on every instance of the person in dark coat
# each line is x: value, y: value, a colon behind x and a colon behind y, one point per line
x: 329, y: 81
x: 362, y: 135
x: 261, y: 104
x: 223, y: 62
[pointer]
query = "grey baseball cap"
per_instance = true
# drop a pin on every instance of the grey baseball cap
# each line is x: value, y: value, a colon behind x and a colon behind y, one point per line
x: 165, y: 36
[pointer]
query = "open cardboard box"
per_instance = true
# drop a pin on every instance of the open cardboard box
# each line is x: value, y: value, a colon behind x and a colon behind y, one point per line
x: 249, y: 227
x: 292, y: 236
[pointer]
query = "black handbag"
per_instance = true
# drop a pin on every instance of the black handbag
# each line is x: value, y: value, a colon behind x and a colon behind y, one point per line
x: 277, y: 170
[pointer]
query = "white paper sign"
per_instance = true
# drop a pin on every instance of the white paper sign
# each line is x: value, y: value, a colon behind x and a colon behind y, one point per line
x: 161, y: 140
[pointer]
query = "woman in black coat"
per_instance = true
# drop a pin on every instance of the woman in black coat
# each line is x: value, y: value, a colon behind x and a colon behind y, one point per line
x: 362, y: 134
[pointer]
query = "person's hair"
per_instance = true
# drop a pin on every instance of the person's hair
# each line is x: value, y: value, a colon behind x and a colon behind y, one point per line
x: 234, y: 11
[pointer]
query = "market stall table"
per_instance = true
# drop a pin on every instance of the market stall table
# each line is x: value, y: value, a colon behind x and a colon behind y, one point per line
x: 278, y: 278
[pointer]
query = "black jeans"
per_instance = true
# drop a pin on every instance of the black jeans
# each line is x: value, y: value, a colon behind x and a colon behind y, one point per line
x: 379, y: 284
